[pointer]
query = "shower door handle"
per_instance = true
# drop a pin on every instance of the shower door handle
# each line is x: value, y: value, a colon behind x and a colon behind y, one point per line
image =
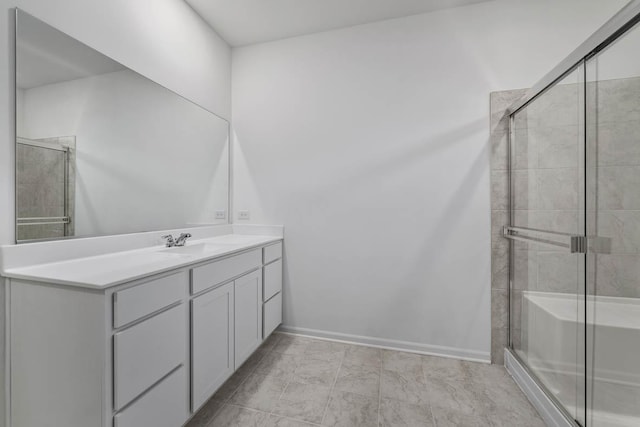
x: 576, y: 243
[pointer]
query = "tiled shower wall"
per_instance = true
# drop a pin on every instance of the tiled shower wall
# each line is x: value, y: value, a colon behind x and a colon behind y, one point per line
x: 546, y: 172
x: 40, y: 188
x: 499, y: 102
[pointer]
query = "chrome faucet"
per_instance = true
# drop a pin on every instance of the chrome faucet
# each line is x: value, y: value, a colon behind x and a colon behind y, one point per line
x: 180, y: 241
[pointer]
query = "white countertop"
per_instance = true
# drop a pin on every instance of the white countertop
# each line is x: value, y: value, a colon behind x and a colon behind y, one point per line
x: 103, y: 271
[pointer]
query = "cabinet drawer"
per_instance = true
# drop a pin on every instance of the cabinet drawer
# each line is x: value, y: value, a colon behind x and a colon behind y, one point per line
x: 146, y: 352
x: 272, y: 313
x: 217, y: 272
x: 271, y: 253
x: 272, y: 279
x: 139, y: 301
x: 165, y: 405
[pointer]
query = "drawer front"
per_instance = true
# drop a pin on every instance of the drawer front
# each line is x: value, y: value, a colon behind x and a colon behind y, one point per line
x: 272, y: 312
x: 271, y: 253
x: 272, y: 279
x: 165, y: 405
x: 146, y: 352
x: 209, y: 275
x: 139, y: 301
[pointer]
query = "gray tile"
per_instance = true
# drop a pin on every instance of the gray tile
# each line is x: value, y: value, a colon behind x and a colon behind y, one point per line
x: 560, y: 221
x: 618, y: 144
x: 457, y: 395
x: 499, y: 190
x: 326, y: 350
x: 557, y: 147
x: 305, y: 402
x: 525, y: 269
x: 251, y: 363
x: 394, y: 413
x: 407, y: 387
x: 449, y: 418
x: 278, y: 365
x: 559, y: 106
x: 443, y: 368
x: 499, y: 308
x: 316, y: 371
x: 205, y: 414
x: 558, y: 272
x: 259, y: 392
x: 276, y: 421
x: 618, y: 100
x: 524, y: 154
x: 271, y: 342
x: 498, y: 344
x: 618, y: 275
x: 400, y: 361
x: 557, y: 189
x: 623, y: 228
x: 618, y: 188
x: 235, y: 416
x: 500, y: 263
x: 351, y: 410
x: 525, y: 189
x: 359, y: 378
x: 499, y: 150
x: 230, y: 386
x: 369, y: 356
x: 291, y: 344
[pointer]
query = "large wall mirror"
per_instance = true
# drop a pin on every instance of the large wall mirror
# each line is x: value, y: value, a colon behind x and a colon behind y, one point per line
x: 101, y: 149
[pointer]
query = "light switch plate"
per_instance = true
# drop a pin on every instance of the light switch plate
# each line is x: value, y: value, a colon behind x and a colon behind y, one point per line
x: 243, y: 215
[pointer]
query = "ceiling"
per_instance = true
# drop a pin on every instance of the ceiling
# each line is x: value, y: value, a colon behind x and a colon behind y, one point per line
x: 45, y: 55
x: 242, y: 22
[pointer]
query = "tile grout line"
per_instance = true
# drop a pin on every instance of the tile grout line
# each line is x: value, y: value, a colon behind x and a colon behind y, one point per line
x: 288, y: 382
x: 251, y: 372
x: 333, y: 386
x: 426, y: 383
x: 380, y: 386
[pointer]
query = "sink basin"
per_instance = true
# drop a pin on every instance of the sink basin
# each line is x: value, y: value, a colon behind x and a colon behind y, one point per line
x: 197, y: 249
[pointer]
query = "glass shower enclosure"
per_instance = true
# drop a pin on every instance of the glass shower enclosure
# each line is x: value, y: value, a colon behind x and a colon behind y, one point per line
x: 575, y: 229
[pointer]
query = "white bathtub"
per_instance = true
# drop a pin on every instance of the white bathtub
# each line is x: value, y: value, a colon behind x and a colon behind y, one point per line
x: 552, y: 344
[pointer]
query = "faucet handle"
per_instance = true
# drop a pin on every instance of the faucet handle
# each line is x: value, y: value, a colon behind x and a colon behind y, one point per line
x: 170, y: 242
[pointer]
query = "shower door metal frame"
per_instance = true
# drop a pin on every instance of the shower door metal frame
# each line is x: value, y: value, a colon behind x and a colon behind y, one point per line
x: 608, y: 33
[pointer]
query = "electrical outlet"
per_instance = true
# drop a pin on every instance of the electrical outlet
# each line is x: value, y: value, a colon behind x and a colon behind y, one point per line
x: 221, y: 214
x: 243, y: 215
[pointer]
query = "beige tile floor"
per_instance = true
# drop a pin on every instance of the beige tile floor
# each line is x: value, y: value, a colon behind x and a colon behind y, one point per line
x: 296, y: 382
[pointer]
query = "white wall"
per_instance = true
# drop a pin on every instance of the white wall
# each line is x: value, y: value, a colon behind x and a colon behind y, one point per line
x: 164, y: 40
x: 154, y: 143
x: 371, y: 145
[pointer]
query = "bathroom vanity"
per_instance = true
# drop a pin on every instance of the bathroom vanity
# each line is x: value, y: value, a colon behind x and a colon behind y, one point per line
x: 137, y: 338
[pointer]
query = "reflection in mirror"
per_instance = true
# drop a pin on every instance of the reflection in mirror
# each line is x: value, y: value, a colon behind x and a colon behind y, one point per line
x: 102, y: 150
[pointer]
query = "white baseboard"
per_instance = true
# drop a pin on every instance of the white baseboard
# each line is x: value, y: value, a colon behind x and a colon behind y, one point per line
x: 431, y: 350
x: 550, y: 413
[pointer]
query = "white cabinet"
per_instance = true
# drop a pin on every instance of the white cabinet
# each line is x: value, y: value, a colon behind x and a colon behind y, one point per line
x: 149, y: 352
x: 248, y: 315
x: 212, y: 342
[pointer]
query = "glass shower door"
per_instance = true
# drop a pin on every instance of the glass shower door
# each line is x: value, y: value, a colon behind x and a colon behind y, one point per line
x: 613, y: 224
x: 547, y: 219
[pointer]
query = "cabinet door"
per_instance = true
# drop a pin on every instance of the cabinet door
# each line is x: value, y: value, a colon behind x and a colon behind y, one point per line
x: 248, y: 315
x: 212, y: 345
